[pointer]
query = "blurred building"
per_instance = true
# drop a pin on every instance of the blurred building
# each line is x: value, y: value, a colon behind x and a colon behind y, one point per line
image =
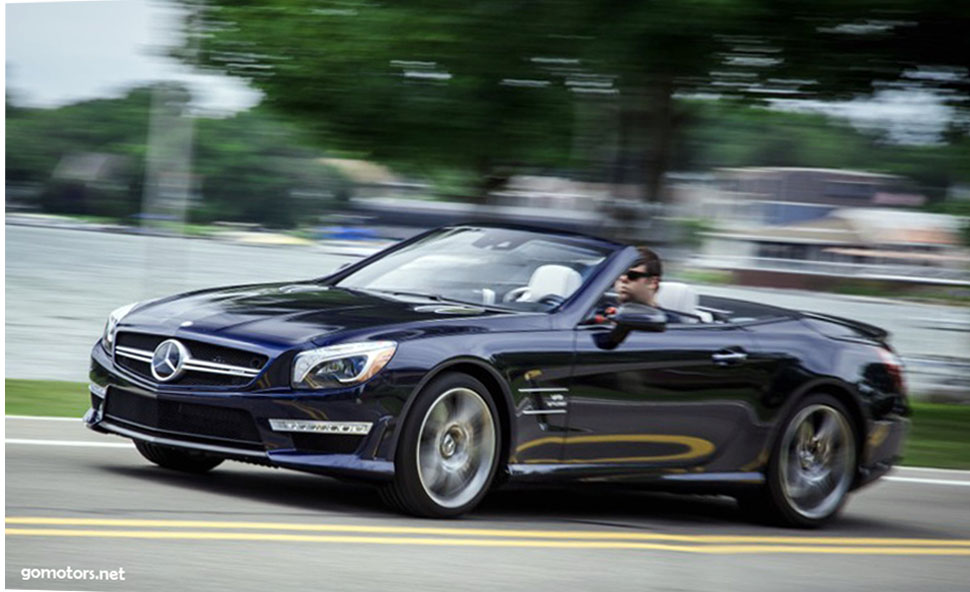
x: 759, y: 196
x: 785, y: 226
x: 874, y: 243
x: 88, y: 182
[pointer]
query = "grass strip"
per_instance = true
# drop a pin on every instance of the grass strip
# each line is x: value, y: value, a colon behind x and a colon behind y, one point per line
x: 46, y: 397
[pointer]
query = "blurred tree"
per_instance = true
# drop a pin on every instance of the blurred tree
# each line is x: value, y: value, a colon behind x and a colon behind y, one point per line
x: 485, y: 85
x: 37, y: 139
x: 89, y: 158
x: 733, y: 134
x: 425, y: 86
x: 253, y: 168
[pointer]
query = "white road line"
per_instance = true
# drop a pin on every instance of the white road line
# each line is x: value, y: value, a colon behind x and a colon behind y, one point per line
x: 68, y: 443
x: 928, y: 481
x: 931, y: 469
x: 42, y: 418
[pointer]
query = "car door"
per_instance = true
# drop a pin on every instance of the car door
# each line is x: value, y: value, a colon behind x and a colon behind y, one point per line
x: 669, y: 399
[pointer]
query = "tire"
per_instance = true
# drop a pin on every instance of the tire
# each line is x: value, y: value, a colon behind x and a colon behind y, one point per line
x: 448, y: 451
x: 811, y: 468
x: 176, y: 459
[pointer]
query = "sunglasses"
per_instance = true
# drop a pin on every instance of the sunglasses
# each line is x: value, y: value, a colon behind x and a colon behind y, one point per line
x: 636, y: 275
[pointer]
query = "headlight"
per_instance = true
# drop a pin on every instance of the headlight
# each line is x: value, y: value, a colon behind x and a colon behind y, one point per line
x: 111, y: 326
x: 341, y: 365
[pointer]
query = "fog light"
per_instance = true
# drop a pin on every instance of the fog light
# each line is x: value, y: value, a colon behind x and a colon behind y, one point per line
x: 349, y: 428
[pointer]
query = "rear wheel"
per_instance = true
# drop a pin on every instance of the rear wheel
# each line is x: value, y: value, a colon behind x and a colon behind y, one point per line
x: 811, y: 468
x: 176, y: 459
x: 448, y: 450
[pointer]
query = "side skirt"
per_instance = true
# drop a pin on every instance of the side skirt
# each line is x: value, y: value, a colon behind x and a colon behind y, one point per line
x: 620, y: 474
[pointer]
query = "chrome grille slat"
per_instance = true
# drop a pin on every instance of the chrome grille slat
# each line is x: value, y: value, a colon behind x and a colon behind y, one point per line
x: 190, y: 364
x: 134, y: 354
x: 214, y: 368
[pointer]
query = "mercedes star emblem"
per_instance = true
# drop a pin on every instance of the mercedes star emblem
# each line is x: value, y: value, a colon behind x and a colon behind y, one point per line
x: 168, y: 360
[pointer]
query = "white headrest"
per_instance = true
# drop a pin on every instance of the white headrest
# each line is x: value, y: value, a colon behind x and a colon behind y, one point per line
x: 552, y: 279
x: 677, y: 297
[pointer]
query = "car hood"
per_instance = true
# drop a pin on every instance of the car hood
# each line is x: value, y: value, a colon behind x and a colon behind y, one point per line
x: 285, y: 314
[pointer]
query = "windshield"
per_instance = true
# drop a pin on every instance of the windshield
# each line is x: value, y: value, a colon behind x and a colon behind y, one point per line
x: 489, y: 266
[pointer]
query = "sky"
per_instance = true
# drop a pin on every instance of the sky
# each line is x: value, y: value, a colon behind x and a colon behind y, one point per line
x: 65, y: 52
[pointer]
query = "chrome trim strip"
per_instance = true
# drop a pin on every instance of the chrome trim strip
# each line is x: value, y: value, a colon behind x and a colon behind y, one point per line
x: 179, y: 443
x: 213, y: 368
x: 340, y: 428
x: 135, y: 354
x: 549, y: 389
x: 190, y: 363
x: 543, y: 412
x: 97, y: 390
x: 743, y: 477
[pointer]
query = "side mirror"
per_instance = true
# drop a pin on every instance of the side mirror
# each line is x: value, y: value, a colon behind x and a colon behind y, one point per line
x: 634, y: 316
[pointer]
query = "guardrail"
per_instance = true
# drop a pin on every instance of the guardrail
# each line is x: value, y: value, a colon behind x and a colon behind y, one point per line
x: 884, y: 272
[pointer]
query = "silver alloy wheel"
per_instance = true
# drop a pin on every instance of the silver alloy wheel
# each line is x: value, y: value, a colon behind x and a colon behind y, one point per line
x: 456, y: 447
x: 817, y: 460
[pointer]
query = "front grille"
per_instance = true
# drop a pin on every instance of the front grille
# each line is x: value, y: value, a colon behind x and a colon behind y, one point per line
x: 208, y: 421
x: 199, y: 350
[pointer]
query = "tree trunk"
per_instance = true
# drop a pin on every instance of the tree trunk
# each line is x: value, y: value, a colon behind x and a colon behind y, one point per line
x: 646, y: 138
x: 661, y: 139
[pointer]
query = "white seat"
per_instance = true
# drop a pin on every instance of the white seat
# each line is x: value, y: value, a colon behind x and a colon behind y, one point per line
x: 678, y: 297
x: 548, y: 280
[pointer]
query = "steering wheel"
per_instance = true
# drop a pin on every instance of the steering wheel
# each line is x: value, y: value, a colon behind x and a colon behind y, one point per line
x: 514, y: 294
x: 552, y: 300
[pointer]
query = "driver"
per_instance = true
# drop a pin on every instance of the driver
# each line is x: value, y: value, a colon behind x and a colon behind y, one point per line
x: 641, y: 281
x: 639, y: 284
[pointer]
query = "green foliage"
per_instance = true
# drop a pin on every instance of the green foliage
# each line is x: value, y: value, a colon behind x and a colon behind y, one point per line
x: 940, y: 436
x: 46, y: 397
x: 427, y: 85
x: 417, y: 85
x: 38, y: 140
x: 732, y: 134
x: 692, y: 231
x: 251, y: 167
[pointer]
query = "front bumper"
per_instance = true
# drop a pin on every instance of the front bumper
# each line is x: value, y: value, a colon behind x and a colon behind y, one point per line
x: 236, y: 425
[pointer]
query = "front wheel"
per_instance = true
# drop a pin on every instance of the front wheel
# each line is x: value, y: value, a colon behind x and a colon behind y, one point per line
x: 448, y: 451
x: 811, y: 468
x: 176, y: 459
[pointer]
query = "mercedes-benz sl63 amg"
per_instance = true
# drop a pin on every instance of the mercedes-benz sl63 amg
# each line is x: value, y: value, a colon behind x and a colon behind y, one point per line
x: 475, y: 355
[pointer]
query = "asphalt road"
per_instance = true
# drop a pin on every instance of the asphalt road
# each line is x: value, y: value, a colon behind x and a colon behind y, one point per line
x: 90, y: 502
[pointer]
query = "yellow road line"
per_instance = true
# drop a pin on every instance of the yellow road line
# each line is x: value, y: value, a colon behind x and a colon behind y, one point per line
x: 486, y: 532
x: 696, y: 447
x: 458, y: 542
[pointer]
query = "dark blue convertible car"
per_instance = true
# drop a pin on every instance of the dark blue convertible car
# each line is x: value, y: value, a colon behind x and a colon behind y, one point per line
x: 474, y: 355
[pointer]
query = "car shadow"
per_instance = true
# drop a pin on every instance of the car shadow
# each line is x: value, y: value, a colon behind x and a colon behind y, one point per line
x: 297, y: 493
x: 288, y: 493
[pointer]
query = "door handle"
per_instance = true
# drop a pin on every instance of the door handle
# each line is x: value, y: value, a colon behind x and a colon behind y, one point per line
x: 729, y: 357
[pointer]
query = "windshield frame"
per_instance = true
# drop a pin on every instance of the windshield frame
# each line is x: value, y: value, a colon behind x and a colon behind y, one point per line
x: 609, y: 249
